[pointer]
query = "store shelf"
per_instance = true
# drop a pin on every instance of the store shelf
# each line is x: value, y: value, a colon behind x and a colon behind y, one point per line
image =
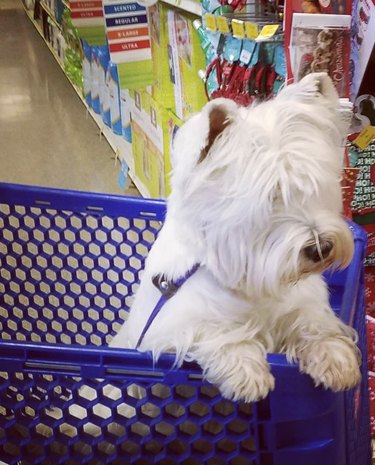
x: 121, y: 148
x: 50, y: 14
x: 187, y: 5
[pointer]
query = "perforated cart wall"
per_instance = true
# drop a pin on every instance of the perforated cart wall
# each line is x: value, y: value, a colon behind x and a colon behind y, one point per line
x: 69, y: 263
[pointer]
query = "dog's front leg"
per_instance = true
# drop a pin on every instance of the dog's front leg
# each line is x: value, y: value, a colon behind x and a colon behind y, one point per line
x: 240, y: 370
x: 312, y: 334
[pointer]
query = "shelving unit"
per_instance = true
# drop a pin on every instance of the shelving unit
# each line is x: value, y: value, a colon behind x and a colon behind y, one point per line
x: 121, y: 148
x: 50, y: 15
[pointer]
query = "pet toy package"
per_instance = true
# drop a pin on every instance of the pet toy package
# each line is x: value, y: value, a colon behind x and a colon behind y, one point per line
x: 177, y: 59
x: 153, y: 128
x: 291, y: 7
x: 321, y: 43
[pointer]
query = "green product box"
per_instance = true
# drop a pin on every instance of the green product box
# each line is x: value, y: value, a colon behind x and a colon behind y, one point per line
x: 177, y: 57
x: 153, y: 128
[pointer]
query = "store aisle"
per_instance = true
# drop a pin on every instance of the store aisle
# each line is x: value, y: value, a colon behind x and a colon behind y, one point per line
x: 46, y: 138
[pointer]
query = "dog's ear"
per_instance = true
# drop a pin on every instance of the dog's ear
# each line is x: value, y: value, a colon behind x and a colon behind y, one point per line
x: 219, y: 113
x: 313, y: 87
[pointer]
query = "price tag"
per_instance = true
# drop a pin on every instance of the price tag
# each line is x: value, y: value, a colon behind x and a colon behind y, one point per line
x: 211, y: 23
x: 268, y: 31
x: 238, y: 28
x: 222, y: 24
x: 365, y: 137
x: 251, y: 30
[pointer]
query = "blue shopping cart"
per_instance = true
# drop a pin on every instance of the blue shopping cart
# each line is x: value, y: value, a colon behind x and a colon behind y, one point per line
x: 69, y: 263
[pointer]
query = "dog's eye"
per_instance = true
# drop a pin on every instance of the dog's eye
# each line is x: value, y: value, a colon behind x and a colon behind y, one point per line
x: 318, y: 252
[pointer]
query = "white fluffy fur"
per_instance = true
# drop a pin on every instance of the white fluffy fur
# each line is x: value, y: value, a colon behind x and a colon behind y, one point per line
x: 269, y: 185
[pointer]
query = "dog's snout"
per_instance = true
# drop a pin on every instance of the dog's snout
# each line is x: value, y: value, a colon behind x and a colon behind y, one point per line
x: 318, y: 252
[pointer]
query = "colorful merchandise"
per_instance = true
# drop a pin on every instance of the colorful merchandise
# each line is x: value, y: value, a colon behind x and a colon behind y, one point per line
x: 153, y: 129
x: 104, y: 94
x: 95, y: 66
x: 86, y: 70
x: 125, y: 115
x: 177, y: 59
x: 114, y: 97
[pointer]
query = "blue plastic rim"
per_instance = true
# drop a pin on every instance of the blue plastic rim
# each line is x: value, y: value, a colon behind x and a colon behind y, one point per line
x: 69, y: 263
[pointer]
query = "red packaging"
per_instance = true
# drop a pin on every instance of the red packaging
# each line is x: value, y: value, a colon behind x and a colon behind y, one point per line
x: 338, y: 7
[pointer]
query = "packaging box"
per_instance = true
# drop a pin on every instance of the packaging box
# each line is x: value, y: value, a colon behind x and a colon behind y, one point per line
x: 321, y: 43
x: 363, y: 41
x: 153, y: 128
x: 177, y: 58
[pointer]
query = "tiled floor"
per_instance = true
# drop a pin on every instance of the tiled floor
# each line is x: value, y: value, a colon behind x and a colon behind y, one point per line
x: 46, y: 138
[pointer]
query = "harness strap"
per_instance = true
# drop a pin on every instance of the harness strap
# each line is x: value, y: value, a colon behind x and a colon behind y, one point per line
x: 168, y: 289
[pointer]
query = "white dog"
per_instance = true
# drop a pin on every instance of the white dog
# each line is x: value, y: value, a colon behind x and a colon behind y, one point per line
x: 254, y: 217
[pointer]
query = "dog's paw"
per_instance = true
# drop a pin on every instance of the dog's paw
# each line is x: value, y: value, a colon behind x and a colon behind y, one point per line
x: 333, y: 363
x: 248, y: 382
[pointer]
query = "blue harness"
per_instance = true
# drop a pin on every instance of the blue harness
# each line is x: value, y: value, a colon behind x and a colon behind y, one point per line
x: 168, y: 289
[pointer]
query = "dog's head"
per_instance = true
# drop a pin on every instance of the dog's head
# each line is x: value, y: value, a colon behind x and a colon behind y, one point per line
x: 258, y: 189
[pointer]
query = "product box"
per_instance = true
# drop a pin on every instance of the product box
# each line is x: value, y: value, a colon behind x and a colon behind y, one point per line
x: 125, y: 115
x: 311, y: 7
x: 153, y: 128
x: 321, y: 43
x: 363, y: 41
x: 177, y: 57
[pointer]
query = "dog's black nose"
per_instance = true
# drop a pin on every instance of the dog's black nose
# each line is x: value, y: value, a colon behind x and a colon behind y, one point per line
x: 312, y: 252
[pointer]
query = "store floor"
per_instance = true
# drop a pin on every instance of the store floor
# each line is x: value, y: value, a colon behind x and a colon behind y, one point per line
x: 46, y: 137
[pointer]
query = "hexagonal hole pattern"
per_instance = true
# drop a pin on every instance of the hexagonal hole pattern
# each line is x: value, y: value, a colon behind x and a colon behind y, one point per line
x: 150, y: 410
x: 92, y: 429
x: 224, y: 408
x: 226, y: 445
x: 82, y: 448
x: 175, y: 410
x: 153, y: 447
x: 140, y: 429
x: 178, y: 447
x: 130, y: 447
x: 213, y: 427
x: 202, y: 446
x: 68, y: 430
x: 199, y: 409
x: 102, y: 411
x: 164, y: 428
x: 238, y: 426
x: 160, y: 391
x: 116, y: 429
x: 126, y: 411
x: 189, y: 428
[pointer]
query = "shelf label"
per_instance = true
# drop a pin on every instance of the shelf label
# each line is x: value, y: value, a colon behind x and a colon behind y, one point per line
x: 251, y: 30
x: 211, y: 23
x: 268, y: 31
x: 127, y: 31
x: 222, y: 24
x: 238, y: 28
x: 86, y: 13
x: 365, y: 137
